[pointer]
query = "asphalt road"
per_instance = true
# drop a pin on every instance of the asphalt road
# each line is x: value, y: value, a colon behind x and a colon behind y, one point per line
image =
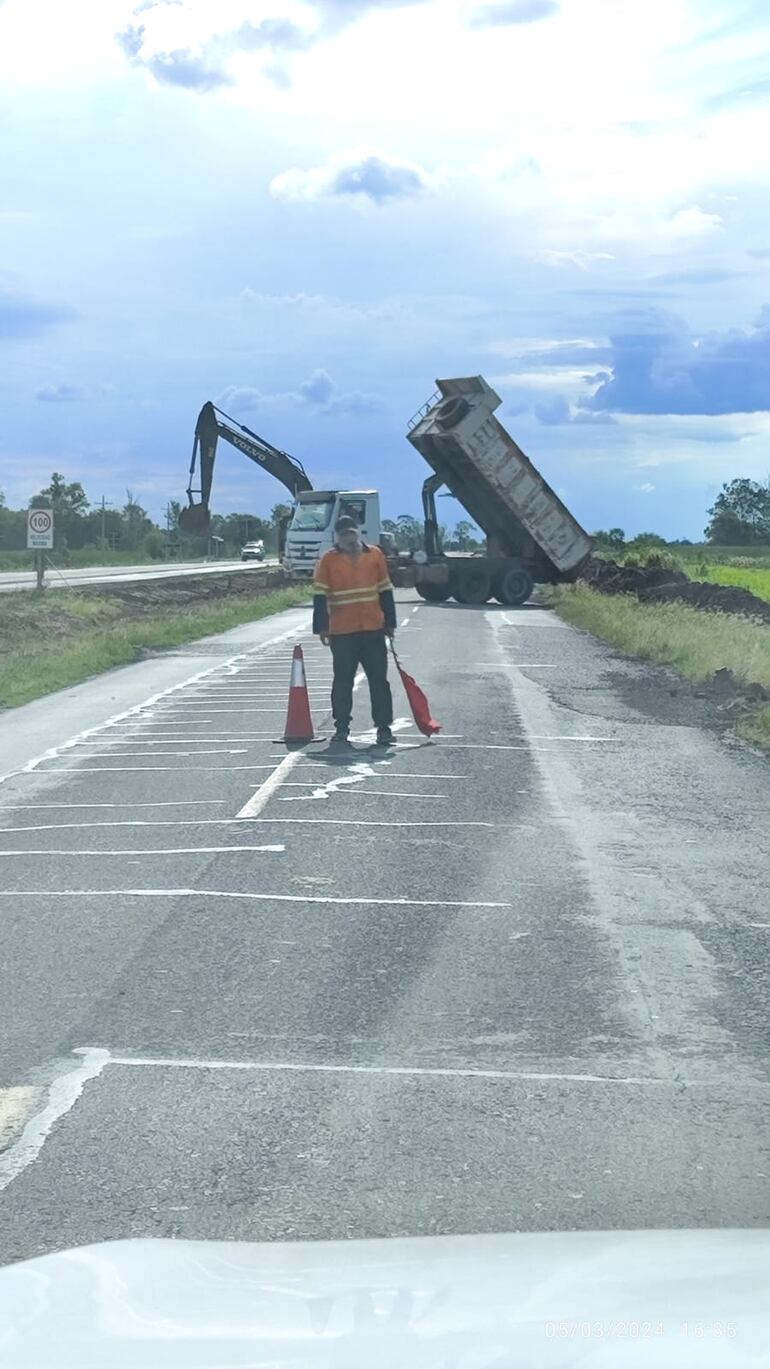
x: 514, y: 979
x: 108, y: 575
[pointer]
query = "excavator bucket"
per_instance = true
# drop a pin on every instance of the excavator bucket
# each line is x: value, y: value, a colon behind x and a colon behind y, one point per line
x: 195, y: 519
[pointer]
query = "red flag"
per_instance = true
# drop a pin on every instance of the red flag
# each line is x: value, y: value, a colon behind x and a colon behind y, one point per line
x: 417, y: 701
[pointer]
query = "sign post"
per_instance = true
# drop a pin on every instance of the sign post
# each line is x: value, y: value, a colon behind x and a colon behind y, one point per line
x: 40, y: 538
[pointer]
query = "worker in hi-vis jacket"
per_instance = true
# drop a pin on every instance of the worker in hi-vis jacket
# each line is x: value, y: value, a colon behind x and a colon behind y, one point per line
x: 354, y: 612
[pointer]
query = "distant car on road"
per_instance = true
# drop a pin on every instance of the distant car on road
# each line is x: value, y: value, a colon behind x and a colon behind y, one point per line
x: 253, y: 551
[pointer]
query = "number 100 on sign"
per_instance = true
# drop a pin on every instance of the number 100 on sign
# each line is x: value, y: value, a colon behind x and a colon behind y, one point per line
x: 40, y: 530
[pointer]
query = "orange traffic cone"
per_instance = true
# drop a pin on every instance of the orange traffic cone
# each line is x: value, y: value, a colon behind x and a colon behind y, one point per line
x: 299, y: 724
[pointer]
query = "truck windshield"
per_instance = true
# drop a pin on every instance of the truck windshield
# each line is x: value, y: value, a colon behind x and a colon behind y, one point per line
x: 312, y: 515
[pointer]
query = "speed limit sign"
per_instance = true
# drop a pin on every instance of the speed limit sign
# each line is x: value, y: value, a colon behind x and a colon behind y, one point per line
x: 40, y: 529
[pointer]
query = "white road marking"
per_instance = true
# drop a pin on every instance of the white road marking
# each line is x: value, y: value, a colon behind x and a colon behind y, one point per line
x: 351, y: 774
x: 438, y: 1072
x: 369, y: 822
x: 138, y: 710
x: 168, y: 741
x: 139, y: 755
x: 127, y: 803
x: 63, y: 1093
x: 380, y: 793
x: 154, y: 769
x: 384, y: 775
x: 169, y: 713
x: 127, y: 822
x: 550, y: 737
x: 253, y: 806
x: 251, y: 897
x: 141, y: 851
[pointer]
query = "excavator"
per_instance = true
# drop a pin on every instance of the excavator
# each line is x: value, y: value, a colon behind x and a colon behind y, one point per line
x: 314, y: 512
x: 212, y: 424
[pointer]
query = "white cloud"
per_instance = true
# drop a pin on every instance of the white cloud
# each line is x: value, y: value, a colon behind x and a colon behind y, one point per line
x: 646, y: 488
x: 577, y: 257
x: 60, y: 394
x: 688, y: 224
x: 367, y: 176
x: 318, y: 394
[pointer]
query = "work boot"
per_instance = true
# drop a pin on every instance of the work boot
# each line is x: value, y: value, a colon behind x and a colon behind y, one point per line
x: 385, y: 737
x: 341, y: 740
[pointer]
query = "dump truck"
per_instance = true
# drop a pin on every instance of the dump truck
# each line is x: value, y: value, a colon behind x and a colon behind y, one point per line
x: 531, y: 537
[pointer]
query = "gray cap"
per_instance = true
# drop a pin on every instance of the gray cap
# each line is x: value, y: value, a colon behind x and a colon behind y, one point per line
x: 346, y: 524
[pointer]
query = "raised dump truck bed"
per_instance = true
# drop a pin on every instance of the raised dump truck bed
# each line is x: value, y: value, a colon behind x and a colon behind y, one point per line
x: 531, y: 536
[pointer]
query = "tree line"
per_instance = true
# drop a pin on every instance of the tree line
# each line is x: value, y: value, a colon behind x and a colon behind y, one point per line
x: 739, y: 517
x: 83, y: 526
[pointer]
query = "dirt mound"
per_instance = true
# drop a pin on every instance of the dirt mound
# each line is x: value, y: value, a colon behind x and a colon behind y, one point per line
x: 659, y: 585
x: 147, y: 596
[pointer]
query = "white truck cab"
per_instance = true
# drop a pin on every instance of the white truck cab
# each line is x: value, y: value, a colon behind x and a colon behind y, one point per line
x: 311, y: 530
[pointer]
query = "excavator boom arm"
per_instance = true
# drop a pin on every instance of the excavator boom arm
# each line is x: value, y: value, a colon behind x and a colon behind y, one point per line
x: 211, y: 425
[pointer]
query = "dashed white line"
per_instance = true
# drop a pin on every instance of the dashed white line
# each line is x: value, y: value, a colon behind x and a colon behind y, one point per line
x: 262, y: 796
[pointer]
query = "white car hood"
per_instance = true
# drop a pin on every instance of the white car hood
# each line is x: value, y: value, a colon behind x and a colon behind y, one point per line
x: 597, y: 1300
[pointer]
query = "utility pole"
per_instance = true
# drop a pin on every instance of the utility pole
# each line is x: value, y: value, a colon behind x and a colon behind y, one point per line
x: 105, y: 504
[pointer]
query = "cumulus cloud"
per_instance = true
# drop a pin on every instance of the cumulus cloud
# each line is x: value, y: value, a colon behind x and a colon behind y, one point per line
x: 205, y: 69
x: 319, y: 393
x: 513, y: 12
x: 371, y: 177
x: 556, y: 412
x: 319, y: 389
x: 576, y: 257
x: 693, y: 223
x: 22, y: 317
x: 60, y: 394
x: 658, y: 367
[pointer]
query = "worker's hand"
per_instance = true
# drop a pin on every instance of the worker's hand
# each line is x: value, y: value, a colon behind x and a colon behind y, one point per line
x: 323, y: 638
x: 390, y: 632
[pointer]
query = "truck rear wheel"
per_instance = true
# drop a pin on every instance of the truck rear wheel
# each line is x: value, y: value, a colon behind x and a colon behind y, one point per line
x: 433, y: 593
x: 514, y: 586
x: 473, y: 585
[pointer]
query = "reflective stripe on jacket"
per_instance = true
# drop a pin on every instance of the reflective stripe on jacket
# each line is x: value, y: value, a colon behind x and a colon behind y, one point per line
x: 352, y: 593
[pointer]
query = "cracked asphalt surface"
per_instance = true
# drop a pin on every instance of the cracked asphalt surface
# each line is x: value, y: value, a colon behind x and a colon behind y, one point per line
x: 513, y: 979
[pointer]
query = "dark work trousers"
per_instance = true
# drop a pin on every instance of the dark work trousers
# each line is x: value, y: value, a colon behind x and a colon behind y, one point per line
x: 369, y: 650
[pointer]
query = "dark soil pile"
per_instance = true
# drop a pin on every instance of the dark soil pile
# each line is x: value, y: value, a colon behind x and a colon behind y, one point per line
x: 659, y: 585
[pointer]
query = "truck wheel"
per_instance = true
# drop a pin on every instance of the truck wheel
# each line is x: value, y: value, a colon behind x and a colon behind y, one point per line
x: 433, y: 594
x: 514, y: 586
x: 473, y: 586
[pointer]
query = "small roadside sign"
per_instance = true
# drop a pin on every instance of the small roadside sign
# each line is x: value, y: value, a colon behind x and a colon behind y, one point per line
x: 40, y: 530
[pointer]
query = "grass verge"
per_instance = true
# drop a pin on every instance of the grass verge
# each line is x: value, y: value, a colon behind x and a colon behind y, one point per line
x: 694, y: 642
x: 57, y: 640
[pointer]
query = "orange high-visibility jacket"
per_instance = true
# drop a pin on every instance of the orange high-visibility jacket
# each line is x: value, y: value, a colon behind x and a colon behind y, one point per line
x: 353, y: 594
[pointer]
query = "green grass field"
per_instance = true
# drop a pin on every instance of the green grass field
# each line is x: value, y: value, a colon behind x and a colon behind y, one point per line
x: 64, y: 637
x: 693, y: 642
x: 758, y: 581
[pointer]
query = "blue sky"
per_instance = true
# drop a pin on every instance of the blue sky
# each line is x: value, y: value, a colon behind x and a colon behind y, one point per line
x: 307, y: 210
